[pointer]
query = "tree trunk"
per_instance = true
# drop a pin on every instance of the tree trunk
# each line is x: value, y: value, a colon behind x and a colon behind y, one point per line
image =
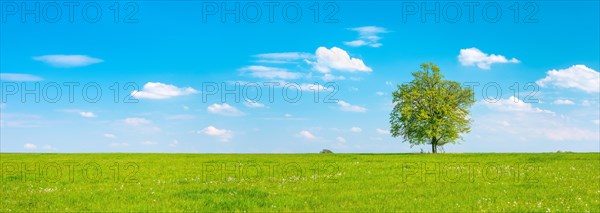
x: 434, y: 145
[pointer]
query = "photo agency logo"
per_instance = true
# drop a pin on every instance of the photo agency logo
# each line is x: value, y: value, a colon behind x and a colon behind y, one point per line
x: 70, y: 172
x: 270, y: 11
x: 130, y: 92
x: 231, y: 91
x: 68, y: 11
x: 469, y: 11
x: 453, y: 172
x: 289, y: 172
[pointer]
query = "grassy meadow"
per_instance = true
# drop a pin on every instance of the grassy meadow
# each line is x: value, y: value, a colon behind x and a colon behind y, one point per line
x: 548, y: 182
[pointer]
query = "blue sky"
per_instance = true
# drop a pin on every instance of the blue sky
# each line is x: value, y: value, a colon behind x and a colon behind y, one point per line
x: 166, y: 53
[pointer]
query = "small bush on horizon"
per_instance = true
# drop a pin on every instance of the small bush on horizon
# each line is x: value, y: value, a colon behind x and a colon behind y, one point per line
x: 326, y: 151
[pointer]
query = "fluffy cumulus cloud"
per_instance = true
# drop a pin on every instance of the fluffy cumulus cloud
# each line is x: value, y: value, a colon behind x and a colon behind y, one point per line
x: 514, y: 104
x: 368, y: 36
x: 18, y: 77
x: 475, y: 57
x: 270, y: 72
x: 345, y: 106
x: 307, y: 135
x: 337, y: 59
x: 355, y: 129
x: 224, y: 135
x: 68, y: 60
x: 224, y: 109
x: 157, y: 90
x: 577, y: 77
x: 340, y: 139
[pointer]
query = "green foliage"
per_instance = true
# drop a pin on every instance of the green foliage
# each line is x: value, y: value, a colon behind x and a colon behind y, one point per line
x: 431, y: 110
x: 545, y: 182
x: 326, y: 151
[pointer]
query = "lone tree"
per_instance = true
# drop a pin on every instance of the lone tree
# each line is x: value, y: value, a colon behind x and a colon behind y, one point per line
x: 431, y: 110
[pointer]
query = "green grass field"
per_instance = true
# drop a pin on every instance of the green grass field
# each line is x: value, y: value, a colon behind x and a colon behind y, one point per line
x: 301, y: 182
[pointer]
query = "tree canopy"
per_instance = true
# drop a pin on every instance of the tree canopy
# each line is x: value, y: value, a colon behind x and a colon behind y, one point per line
x: 430, y: 109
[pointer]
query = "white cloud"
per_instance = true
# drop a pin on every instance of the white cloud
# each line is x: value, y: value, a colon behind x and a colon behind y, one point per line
x: 563, y: 102
x: 311, y: 87
x: 18, y: 77
x: 157, y: 90
x: 110, y: 136
x: 149, y: 143
x: 287, y: 115
x: 30, y: 146
x: 368, y: 35
x: 174, y: 143
x: 355, y: 129
x: 270, y: 72
x: 597, y: 122
x: 224, y: 109
x: 356, y: 43
x: 136, y: 121
x: 87, y: 114
x: 382, y: 131
x: 253, y: 104
x: 513, y: 104
x: 473, y: 56
x: 522, y: 122
x: 345, y: 106
x: 337, y: 59
x: 379, y: 93
x: 577, y: 77
x: 223, y: 134
x: 340, y: 139
x: 68, y: 60
x: 330, y: 77
x: 307, y: 135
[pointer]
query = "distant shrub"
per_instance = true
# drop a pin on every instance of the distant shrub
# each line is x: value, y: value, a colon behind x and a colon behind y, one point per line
x: 326, y: 151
